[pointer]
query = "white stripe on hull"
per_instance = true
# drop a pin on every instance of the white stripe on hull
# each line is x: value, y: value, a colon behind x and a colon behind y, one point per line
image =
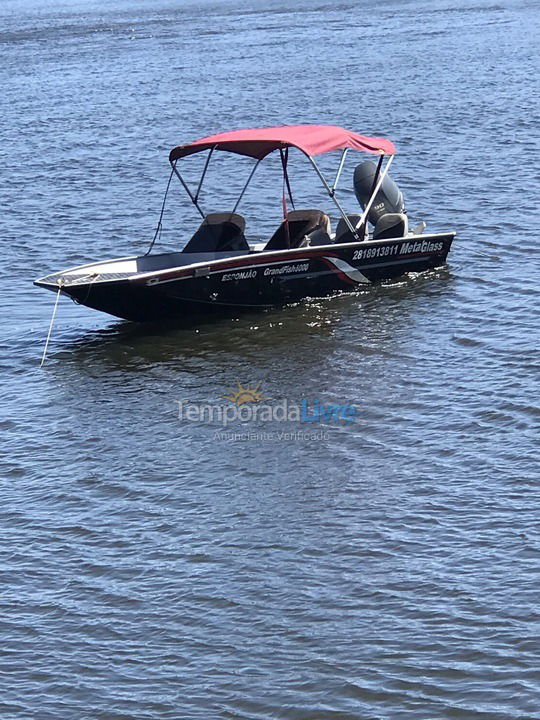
x: 348, y: 270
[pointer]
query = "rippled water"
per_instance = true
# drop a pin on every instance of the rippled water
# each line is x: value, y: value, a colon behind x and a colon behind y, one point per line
x: 386, y: 569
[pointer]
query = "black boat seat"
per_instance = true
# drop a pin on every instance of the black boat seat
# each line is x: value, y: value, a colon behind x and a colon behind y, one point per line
x: 320, y: 236
x: 343, y: 233
x: 301, y: 223
x: 391, y: 225
x: 219, y: 232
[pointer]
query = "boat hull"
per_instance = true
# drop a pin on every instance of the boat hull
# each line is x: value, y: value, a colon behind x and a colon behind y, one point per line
x: 256, y: 280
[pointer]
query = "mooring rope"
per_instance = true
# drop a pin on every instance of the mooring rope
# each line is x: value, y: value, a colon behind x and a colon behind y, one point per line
x: 52, y: 322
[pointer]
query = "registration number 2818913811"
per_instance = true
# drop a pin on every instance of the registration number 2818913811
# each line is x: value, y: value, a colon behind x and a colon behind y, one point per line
x: 375, y: 252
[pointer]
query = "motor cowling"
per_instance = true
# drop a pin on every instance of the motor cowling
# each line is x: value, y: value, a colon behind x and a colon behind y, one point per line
x: 389, y: 198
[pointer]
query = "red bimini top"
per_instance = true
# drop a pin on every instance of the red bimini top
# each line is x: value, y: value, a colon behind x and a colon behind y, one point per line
x: 310, y: 139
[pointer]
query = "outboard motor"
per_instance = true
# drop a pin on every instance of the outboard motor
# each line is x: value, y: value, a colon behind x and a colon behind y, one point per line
x: 388, y: 203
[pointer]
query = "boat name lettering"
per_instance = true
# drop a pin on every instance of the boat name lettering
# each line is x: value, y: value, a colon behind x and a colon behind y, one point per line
x: 241, y: 275
x: 287, y: 269
x: 424, y: 246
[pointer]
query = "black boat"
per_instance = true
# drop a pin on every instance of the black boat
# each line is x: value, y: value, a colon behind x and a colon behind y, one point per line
x: 221, y: 270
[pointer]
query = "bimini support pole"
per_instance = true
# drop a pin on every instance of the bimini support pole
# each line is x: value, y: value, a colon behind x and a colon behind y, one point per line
x: 51, y: 323
x: 186, y: 188
x: 331, y: 193
x: 206, y: 164
x: 340, y: 168
x: 251, y: 174
x: 374, y: 192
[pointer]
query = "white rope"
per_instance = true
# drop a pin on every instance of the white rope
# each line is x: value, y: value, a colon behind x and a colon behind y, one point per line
x: 52, y: 322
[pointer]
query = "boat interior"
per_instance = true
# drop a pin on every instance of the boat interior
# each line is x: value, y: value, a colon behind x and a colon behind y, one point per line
x: 225, y: 232
x: 222, y: 235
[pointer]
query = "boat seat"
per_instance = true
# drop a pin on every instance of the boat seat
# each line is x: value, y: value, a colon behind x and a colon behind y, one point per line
x: 301, y: 224
x: 343, y: 233
x: 219, y: 232
x: 391, y: 225
x: 320, y: 236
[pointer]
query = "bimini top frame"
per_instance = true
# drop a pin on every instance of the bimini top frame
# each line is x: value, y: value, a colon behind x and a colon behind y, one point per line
x: 311, y: 140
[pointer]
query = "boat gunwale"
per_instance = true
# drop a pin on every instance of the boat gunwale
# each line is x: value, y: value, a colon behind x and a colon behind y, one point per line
x: 215, y: 264
x: 296, y: 251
